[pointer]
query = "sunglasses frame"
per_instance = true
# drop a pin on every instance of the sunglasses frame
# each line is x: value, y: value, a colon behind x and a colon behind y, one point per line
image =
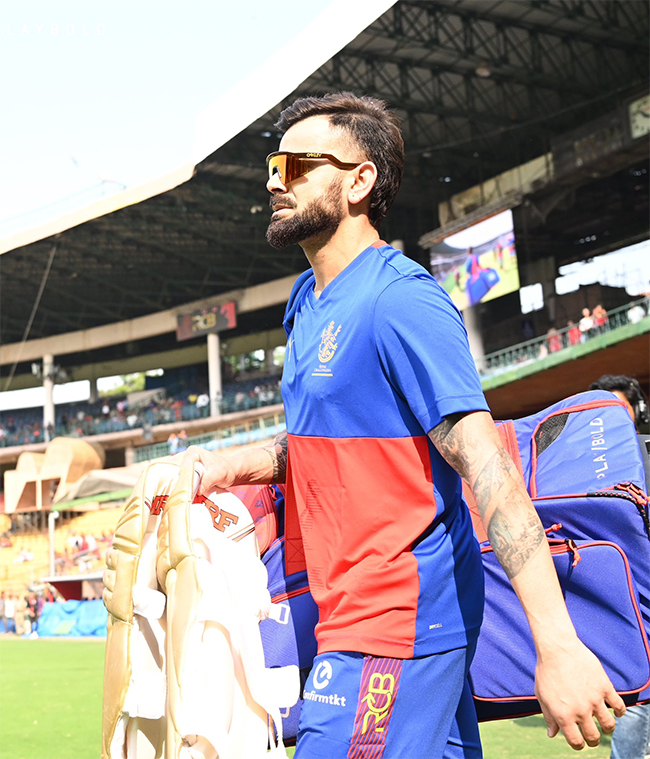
x: 297, y: 164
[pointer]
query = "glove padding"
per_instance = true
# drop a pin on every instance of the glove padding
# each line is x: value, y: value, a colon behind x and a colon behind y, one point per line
x: 134, y: 669
x: 201, y: 690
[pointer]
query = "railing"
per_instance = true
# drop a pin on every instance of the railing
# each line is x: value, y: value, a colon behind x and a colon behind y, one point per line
x: 98, y: 425
x: 491, y: 365
x: 240, y: 433
x: 540, y: 347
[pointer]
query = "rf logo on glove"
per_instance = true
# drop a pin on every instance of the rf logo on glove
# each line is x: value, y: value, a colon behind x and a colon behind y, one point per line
x: 220, y: 517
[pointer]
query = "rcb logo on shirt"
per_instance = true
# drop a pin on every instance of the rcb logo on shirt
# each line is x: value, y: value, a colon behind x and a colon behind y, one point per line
x: 326, y: 350
x: 328, y: 344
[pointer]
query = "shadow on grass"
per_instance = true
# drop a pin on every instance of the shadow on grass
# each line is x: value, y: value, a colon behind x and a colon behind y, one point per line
x: 538, y: 721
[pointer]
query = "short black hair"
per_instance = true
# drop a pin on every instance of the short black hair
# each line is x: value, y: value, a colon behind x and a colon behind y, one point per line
x: 630, y: 388
x: 372, y: 126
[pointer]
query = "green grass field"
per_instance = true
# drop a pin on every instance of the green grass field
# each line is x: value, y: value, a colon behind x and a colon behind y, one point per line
x: 50, y: 698
x: 51, y: 702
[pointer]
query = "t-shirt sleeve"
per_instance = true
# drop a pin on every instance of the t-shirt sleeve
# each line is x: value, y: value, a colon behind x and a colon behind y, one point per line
x: 423, y: 346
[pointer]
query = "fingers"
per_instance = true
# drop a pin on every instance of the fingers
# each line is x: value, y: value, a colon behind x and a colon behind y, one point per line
x: 192, y: 455
x: 574, y: 736
x: 616, y: 702
x: 605, y: 717
x: 215, y: 473
x: 590, y: 731
x: 552, y: 728
x: 585, y: 728
x: 570, y: 730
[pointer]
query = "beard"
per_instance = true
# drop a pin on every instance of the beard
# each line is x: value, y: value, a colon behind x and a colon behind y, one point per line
x: 320, y: 218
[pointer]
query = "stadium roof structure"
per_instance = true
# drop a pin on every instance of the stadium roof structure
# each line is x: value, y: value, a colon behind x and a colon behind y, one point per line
x: 481, y: 86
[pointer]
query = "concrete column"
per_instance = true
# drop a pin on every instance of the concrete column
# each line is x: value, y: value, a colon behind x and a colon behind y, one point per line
x: 268, y: 360
x: 94, y: 393
x: 472, y: 319
x: 214, y: 372
x: 51, y: 517
x: 48, y: 385
x: 129, y: 455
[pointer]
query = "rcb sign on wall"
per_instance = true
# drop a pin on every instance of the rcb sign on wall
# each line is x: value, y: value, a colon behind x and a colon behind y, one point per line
x: 209, y: 319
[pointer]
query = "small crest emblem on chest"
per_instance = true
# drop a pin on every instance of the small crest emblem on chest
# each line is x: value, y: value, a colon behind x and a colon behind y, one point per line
x: 328, y: 344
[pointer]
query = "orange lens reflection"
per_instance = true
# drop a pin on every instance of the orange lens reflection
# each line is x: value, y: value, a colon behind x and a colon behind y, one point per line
x: 287, y: 166
x: 290, y: 166
x: 278, y: 165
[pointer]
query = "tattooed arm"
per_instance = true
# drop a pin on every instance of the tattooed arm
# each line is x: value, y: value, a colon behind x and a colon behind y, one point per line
x: 570, y: 683
x: 252, y: 466
x: 278, y: 452
x: 471, y: 445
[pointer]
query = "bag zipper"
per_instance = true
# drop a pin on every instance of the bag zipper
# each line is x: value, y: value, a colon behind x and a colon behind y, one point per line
x: 628, y: 491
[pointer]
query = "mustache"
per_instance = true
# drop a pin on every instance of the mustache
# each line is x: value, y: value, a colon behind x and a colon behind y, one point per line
x: 280, y: 201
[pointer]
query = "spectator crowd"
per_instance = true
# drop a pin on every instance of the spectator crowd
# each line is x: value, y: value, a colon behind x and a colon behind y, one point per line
x: 20, y: 613
x: 592, y: 323
x: 115, y: 414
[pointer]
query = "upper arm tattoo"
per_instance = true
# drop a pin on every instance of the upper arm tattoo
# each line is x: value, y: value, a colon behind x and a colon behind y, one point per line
x: 512, y: 524
x: 278, y: 451
x: 451, y: 444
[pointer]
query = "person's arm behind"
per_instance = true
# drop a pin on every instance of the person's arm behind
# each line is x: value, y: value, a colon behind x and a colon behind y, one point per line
x: 570, y: 683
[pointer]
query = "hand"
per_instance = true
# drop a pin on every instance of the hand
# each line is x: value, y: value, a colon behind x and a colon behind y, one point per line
x: 572, y: 688
x: 219, y: 472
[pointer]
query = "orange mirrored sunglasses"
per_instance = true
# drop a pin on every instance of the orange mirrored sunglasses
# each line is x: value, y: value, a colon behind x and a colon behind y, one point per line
x: 290, y: 166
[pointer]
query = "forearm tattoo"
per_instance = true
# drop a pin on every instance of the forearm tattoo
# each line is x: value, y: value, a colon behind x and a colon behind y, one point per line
x: 512, y: 524
x: 278, y: 452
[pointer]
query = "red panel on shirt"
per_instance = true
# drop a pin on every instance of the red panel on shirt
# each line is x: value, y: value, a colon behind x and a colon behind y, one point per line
x: 358, y: 536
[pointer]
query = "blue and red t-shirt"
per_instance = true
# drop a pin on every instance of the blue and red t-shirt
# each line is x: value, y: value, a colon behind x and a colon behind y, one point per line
x: 370, y: 368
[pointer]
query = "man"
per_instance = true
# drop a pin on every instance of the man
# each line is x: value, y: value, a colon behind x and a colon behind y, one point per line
x: 628, y: 390
x: 10, y: 613
x: 385, y: 414
x: 32, y: 611
x: 631, y: 739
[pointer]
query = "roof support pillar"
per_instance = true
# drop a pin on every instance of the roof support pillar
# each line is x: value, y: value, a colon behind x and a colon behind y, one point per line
x: 214, y: 372
x: 472, y: 319
x: 48, y: 386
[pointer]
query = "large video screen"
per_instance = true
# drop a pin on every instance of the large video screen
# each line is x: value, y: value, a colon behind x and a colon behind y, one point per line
x: 479, y: 263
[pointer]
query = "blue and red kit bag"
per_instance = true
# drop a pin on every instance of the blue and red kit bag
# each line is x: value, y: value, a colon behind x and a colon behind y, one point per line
x: 583, y: 468
x: 292, y: 641
x: 602, y: 600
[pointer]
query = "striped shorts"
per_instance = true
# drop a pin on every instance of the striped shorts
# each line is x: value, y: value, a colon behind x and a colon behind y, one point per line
x: 358, y: 706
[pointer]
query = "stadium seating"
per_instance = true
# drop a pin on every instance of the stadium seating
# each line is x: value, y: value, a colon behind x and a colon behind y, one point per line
x: 84, y: 419
x: 16, y: 575
x: 97, y: 523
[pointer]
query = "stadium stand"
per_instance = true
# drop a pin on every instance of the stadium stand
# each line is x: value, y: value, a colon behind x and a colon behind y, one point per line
x: 562, y: 155
x: 24, y: 426
x: 566, y: 338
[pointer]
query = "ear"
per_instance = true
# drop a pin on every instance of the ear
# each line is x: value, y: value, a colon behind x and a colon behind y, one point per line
x: 363, y: 180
